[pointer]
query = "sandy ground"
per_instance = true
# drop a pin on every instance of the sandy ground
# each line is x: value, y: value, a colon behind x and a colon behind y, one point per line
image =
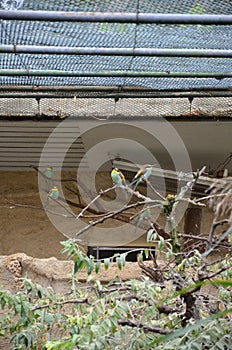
x: 24, y: 229
x: 28, y: 230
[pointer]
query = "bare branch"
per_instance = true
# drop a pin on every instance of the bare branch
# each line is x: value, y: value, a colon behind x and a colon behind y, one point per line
x: 196, y: 200
x: 214, y: 225
x: 160, y: 230
x: 19, y: 205
x: 155, y: 274
x: 191, y: 237
x: 145, y: 328
x: 74, y: 192
x: 224, y: 268
x: 155, y: 191
x: 112, y: 214
x: 89, y: 194
x: 62, y: 206
x: 101, y: 193
x: 58, y: 303
x: 218, y: 242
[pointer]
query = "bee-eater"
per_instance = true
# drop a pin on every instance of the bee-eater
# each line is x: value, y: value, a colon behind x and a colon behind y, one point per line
x: 142, y: 175
x: 53, y: 194
x: 168, y: 203
x: 49, y: 172
x: 117, y: 177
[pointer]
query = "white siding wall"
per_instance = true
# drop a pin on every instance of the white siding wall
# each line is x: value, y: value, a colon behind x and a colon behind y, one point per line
x: 21, y: 144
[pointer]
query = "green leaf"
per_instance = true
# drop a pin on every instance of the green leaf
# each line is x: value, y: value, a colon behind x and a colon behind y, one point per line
x: 119, y: 262
x: 151, y: 235
x: 74, y: 339
x: 98, y: 284
x: 146, y: 252
x: 187, y: 329
x: 97, y: 266
x: 23, y: 313
x: 161, y: 243
x: 168, y: 255
x: 39, y: 291
x: 89, y: 265
x: 79, y: 264
x: 3, y: 302
x: 123, y: 259
x: 106, y: 263
x: 220, y: 345
x: 141, y: 256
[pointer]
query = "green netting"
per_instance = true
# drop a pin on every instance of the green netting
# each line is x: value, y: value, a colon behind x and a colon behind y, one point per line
x: 117, y: 35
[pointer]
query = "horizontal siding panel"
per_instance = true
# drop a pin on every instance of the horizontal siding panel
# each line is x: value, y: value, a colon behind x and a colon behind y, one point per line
x: 28, y: 164
x: 32, y: 124
x: 33, y: 158
x: 22, y: 142
x: 48, y: 130
x: 19, y: 167
x: 37, y: 144
x: 44, y: 133
x: 39, y: 125
x: 31, y: 153
x: 38, y: 139
x: 36, y: 150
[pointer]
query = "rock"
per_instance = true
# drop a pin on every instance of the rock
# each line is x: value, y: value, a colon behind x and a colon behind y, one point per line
x: 54, y: 273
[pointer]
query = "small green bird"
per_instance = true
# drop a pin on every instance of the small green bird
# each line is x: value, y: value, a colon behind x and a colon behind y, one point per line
x: 168, y: 203
x: 49, y: 172
x: 53, y: 194
x: 117, y: 177
x: 142, y: 175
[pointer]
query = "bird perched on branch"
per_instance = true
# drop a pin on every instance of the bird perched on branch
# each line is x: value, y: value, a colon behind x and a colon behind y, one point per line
x: 53, y: 194
x: 168, y: 203
x: 117, y: 177
x: 49, y: 172
x: 142, y: 175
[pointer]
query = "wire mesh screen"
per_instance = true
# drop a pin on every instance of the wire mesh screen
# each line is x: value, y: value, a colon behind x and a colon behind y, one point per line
x: 108, y: 107
x: 18, y: 107
x: 114, y: 35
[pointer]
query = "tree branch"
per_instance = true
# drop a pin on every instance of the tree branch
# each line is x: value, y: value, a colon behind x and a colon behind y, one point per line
x: 89, y: 194
x: 58, y: 303
x: 214, y: 225
x: 74, y: 192
x: 145, y: 328
x: 19, y: 205
x: 154, y: 273
x: 155, y: 191
x: 113, y: 214
x: 94, y: 200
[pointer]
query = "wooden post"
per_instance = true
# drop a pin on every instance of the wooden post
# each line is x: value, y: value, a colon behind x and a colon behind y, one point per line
x: 192, y: 226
